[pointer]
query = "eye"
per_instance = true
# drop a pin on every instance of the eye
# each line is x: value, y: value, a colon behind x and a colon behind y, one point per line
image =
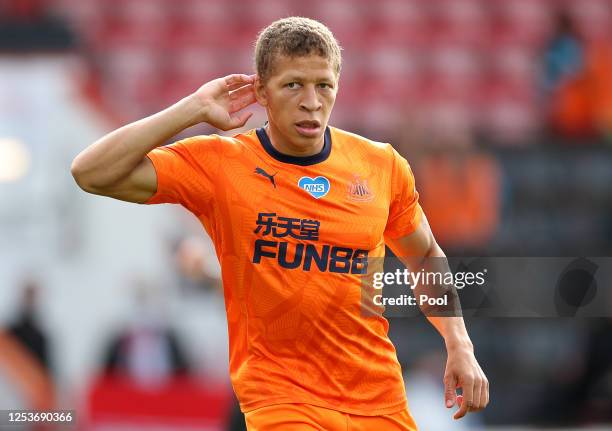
x: 325, y: 85
x: 292, y: 85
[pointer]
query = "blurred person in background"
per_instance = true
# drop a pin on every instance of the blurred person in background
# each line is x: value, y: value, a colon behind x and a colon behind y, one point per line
x: 148, y: 374
x: 199, y: 269
x: 24, y: 353
x: 577, y: 81
x: 148, y: 351
x: 290, y: 358
x: 27, y: 328
x: 25, y: 25
x: 197, y: 264
x: 451, y: 165
x: 564, y: 78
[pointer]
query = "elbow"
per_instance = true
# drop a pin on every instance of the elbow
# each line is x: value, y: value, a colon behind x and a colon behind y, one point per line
x: 76, y: 171
x: 80, y: 178
x: 435, y: 250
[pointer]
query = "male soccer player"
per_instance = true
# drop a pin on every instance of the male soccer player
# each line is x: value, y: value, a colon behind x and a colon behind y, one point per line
x: 294, y: 210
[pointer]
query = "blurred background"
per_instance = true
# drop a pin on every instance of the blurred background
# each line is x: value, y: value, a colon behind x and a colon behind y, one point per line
x: 502, y: 107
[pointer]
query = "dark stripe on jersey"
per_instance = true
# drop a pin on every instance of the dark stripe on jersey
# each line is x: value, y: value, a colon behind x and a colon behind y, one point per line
x: 296, y: 160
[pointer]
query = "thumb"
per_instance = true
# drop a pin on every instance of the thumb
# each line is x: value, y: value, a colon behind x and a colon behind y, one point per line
x: 450, y: 393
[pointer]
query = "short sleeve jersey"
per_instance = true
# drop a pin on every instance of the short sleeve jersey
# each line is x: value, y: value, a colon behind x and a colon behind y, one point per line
x: 292, y: 235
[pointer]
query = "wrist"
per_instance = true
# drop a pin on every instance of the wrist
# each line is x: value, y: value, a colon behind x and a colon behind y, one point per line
x: 195, y: 110
x: 457, y: 344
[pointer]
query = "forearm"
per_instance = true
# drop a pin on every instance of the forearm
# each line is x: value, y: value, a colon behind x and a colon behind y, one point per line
x: 115, y: 155
x: 420, y: 252
x: 451, y: 326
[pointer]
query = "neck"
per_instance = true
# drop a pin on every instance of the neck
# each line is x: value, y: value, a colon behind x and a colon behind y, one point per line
x: 290, y: 149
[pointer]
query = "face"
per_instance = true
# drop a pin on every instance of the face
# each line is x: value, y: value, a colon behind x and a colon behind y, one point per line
x: 298, y: 96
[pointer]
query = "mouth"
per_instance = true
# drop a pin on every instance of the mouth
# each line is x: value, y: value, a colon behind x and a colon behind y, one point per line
x: 308, y: 128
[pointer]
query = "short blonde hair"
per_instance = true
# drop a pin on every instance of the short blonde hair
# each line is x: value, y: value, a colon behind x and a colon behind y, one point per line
x: 295, y: 37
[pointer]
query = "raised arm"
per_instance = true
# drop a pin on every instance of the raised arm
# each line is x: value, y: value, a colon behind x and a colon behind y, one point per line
x: 116, y: 165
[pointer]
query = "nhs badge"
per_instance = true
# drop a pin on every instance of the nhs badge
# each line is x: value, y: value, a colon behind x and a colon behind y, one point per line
x: 317, y: 187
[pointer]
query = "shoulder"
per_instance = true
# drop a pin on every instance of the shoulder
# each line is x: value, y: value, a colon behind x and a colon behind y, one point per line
x: 213, y: 143
x: 236, y: 144
x: 354, y: 143
x: 241, y: 139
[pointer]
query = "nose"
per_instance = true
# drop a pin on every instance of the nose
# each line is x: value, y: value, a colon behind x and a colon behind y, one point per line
x: 310, y: 99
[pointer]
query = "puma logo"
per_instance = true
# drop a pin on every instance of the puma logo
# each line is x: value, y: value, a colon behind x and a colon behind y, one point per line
x: 265, y: 174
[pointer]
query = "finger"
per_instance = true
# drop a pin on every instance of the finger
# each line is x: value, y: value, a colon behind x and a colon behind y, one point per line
x: 468, y: 397
x: 241, y: 91
x: 242, y: 98
x: 238, y: 80
x: 485, y: 393
x: 239, y: 120
x: 450, y: 391
x: 476, y: 397
x: 242, y: 103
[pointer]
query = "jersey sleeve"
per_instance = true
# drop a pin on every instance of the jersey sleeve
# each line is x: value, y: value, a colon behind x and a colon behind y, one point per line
x: 186, y: 172
x: 404, y: 210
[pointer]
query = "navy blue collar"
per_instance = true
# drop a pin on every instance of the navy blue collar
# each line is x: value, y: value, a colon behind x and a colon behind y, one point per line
x: 296, y: 160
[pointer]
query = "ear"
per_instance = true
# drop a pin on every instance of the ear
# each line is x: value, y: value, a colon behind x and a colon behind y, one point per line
x: 260, y: 92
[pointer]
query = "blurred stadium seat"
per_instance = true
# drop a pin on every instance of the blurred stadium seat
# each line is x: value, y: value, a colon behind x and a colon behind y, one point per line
x: 459, y: 46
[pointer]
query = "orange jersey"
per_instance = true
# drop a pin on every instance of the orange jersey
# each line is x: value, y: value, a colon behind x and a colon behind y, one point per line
x: 280, y: 417
x: 292, y: 235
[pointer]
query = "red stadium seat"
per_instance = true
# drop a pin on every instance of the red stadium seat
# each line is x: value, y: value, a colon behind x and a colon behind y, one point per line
x: 515, y: 64
x: 456, y: 69
x: 402, y: 23
x: 509, y: 113
x: 461, y: 22
x: 204, y: 22
x: 346, y: 18
x: 522, y: 21
x: 440, y: 55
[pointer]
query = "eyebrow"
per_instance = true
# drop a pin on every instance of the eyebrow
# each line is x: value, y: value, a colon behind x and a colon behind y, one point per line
x: 296, y: 77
